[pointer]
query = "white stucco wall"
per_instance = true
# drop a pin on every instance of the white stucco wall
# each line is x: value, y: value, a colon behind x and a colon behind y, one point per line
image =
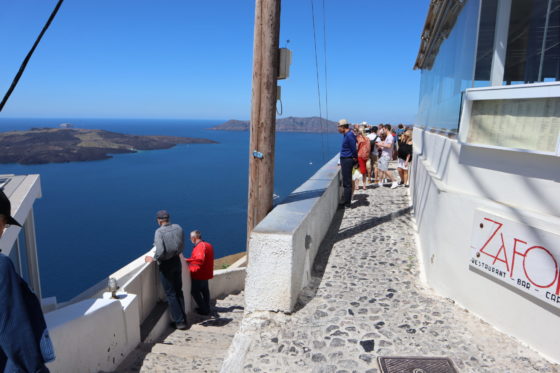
x: 93, y: 335
x: 450, y: 183
x: 96, y: 334
x: 283, y: 246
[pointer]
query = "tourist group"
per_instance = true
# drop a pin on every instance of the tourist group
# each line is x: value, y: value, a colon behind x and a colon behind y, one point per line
x: 366, y: 152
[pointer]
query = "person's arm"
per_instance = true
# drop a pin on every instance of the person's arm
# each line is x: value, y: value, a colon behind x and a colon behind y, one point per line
x: 158, y: 243
x: 197, y: 258
x: 409, y: 155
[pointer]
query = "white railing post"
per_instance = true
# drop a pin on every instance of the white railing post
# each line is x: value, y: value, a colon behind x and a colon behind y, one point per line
x: 31, y: 247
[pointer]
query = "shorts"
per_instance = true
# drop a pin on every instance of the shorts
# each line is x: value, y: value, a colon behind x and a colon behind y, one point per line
x: 373, y: 157
x: 383, y: 163
x: 362, y: 164
x: 401, y: 164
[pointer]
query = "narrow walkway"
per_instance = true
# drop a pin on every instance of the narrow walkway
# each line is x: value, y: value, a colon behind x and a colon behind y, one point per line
x: 369, y: 303
x: 201, y: 348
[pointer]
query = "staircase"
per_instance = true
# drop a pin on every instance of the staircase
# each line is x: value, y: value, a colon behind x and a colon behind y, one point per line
x: 201, y: 348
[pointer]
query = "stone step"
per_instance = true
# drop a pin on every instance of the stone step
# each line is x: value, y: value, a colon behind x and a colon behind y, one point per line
x: 240, y: 298
x: 227, y: 306
x: 191, y: 352
x: 201, y: 348
x: 223, y: 326
x: 134, y: 361
x: 199, y: 338
x: 164, y: 363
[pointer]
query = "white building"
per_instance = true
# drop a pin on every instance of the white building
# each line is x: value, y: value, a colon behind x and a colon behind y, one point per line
x: 487, y: 169
x: 20, y: 243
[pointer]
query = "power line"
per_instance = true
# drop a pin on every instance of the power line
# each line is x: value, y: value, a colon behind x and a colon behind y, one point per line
x: 29, y: 54
x: 318, y: 84
x: 325, y: 57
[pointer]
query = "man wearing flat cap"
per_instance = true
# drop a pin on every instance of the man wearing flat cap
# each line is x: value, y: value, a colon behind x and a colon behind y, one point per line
x: 169, y: 241
x: 348, y: 155
x: 25, y: 345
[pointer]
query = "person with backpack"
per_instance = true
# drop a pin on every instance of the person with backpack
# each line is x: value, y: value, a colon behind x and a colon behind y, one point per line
x: 373, y: 156
x: 169, y: 241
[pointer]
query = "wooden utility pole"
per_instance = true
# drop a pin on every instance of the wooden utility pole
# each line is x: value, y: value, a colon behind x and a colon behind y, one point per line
x: 263, y: 111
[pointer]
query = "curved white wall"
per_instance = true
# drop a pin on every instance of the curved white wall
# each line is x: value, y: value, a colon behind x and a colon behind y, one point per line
x: 451, y: 184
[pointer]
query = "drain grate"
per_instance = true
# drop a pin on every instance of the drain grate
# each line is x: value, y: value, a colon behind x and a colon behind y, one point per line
x: 416, y: 365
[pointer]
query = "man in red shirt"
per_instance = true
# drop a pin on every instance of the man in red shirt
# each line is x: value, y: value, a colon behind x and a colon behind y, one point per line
x: 201, y: 267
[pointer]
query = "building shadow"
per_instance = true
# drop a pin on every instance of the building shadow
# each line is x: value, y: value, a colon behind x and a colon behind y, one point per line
x: 370, y: 223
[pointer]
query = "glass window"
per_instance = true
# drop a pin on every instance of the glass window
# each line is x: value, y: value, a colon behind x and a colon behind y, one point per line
x: 485, y: 48
x: 443, y: 83
x: 533, y: 49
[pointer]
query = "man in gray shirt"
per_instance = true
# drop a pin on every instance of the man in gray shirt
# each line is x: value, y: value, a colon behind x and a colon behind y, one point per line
x: 169, y: 241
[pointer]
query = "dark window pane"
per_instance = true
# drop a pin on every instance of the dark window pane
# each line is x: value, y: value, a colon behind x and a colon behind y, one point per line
x: 527, y: 27
x: 485, y: 48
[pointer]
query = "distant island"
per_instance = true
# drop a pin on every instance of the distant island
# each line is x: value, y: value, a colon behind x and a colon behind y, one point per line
x: 57, y: 145
x: 289, y: 124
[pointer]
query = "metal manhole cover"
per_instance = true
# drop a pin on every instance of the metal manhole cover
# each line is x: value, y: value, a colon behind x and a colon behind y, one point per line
x: 416, y: 365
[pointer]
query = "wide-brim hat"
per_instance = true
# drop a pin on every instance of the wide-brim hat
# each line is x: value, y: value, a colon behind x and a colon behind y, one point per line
x: 343, y: 122
x: 6, y: 208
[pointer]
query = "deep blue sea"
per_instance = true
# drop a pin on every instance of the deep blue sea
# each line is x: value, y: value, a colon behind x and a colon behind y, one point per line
x: 95, y: 217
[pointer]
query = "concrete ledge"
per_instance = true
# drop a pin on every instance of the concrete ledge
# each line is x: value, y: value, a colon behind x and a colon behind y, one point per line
x: 227, y: 281
x: 93, y: 335
x: 283, y: 246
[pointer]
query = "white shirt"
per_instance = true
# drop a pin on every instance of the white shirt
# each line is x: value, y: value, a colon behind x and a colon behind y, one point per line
x: 387, y: 152
x: 372, y: 137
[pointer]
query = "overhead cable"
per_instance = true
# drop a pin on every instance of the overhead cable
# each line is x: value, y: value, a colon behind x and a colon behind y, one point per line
x: 29, y: 54
x: 326, y: 80
x: 318, y: 85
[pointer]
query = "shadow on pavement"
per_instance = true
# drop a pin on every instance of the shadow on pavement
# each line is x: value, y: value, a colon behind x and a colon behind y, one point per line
x: 370, y: 223
x: 334, y: 235
x: 320, y: 263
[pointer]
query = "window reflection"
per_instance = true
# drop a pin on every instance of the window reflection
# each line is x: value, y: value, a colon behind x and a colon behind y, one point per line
x: 441, y: 86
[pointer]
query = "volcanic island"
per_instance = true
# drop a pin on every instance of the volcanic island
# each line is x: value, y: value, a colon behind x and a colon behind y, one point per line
x: 59, y: 145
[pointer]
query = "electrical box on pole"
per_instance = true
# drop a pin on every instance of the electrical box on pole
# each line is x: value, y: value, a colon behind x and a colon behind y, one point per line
x: 285, y: 57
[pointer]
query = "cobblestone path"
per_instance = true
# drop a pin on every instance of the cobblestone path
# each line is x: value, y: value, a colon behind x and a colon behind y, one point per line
x: 370, y: 302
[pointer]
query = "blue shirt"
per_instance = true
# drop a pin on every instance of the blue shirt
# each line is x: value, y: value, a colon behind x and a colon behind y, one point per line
x: 348, y: 148
x: 25, y: 345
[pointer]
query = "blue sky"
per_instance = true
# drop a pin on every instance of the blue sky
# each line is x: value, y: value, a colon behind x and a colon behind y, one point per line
x: 193, y: 59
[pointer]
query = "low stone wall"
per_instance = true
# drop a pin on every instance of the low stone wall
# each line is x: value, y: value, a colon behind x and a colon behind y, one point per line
x: 283, y: 246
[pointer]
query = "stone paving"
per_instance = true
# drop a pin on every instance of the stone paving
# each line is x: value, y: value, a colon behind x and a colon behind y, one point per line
x: 366, y: 301
x: 201, y: 348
